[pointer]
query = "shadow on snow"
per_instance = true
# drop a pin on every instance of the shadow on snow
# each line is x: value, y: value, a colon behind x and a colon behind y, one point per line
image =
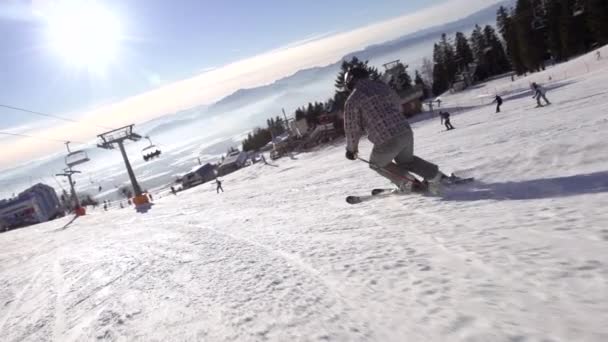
x: 532, y: 189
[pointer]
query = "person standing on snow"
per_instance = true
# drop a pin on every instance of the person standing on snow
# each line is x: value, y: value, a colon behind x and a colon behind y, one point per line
x: 539, y: 92
x: 219, y: 185
x: 445, y: 119
x: 374, y: 107
x: 498, y: 101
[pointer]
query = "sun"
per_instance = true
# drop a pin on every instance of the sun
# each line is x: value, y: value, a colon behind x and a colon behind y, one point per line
x: 84, y: 34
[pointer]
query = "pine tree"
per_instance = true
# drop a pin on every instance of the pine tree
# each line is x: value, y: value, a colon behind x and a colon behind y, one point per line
x: 479, y: 47
x: 495, y: 53
x: 464, y: 54
x: 449, y: 59
x: 420, y: 82
x: 597, y: 19
x: 506, y: 27
x: 427, y: 71
x: 402, y: 80
x: 555, y: 22
x: 530, y: 32
x: 440, y: 73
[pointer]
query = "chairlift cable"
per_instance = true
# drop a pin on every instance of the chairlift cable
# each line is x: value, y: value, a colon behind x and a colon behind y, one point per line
x: 39, y: 138
x: 51, y: 116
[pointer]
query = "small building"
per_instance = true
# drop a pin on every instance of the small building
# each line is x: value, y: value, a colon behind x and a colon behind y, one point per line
x: 199, y: 175
x: 35, y: 205
x: 411, y: 100
x: 234, y: 161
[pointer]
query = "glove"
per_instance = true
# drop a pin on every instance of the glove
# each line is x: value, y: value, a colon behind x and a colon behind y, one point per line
x: 351, y: 155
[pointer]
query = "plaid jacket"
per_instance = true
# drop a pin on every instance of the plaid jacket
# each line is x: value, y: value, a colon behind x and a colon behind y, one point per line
x: 373, y: 107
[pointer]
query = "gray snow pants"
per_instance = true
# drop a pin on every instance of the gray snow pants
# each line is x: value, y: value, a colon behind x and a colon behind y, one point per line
x: 544, y: 97
x: 395, y: 159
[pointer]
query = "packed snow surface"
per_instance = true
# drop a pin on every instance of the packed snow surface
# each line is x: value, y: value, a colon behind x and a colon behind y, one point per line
x: 520, y: 255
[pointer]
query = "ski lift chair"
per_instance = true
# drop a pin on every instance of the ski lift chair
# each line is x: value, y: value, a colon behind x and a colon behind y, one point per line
x: 151, y: 151
x: 76, y: 158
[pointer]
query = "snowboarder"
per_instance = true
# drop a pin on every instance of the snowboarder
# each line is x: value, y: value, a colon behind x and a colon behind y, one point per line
x: 539, y: 92
x: 173, y: 191
x: 374, y: 107
x: 219, y: 185
x: 498, y: 101
x: 445, y: 119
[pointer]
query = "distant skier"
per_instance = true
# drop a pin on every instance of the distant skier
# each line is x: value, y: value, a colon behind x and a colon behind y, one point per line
x: 539, y: 92
x: 445, y: 119
x: 173, y: 191
x: 498, y: 101
x: 374, y: 107
x: 219, y: 185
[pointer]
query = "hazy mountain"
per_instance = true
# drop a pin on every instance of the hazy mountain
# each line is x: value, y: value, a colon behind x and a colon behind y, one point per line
x: 316, y: 84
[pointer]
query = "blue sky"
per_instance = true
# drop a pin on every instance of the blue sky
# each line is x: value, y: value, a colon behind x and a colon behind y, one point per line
x: 168, y: 46
x: 171, y: 40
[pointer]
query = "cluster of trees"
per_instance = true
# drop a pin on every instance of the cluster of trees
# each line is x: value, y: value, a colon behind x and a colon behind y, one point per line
x: 536, y: 30
x: 483, y: 50
x: 401, y: 80
x: 262, y: 136
x: 312, y: 112
x: 532, y: 32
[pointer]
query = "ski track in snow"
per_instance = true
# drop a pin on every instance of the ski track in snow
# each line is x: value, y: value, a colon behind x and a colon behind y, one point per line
x: 519, y: 255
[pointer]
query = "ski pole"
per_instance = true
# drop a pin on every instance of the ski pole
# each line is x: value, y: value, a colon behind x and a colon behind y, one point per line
x: 376, y: 167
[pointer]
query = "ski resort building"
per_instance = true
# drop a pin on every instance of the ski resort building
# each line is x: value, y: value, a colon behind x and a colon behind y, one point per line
x: 234, y: 161
x: 199, y: 175
x: 34, y: 205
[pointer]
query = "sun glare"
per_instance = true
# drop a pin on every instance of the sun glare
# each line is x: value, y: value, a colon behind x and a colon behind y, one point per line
x: 84, y: 34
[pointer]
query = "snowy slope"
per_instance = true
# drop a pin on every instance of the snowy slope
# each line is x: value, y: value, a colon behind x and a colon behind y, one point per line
x: 520, y: 256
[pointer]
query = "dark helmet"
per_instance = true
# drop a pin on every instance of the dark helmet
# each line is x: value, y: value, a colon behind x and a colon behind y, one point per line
x: 353, y: 75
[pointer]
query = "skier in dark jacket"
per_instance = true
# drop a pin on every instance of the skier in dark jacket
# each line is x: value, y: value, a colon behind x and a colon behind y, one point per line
x: 219, y: 185
x: 445, y: 119
x: 498, y: 101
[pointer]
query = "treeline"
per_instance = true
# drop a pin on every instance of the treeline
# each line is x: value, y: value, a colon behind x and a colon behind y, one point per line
x: 312, y: 112
x: 262, y: 136
x: 483, y: 55
x: 400, y: 80
x: 533, y: 32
